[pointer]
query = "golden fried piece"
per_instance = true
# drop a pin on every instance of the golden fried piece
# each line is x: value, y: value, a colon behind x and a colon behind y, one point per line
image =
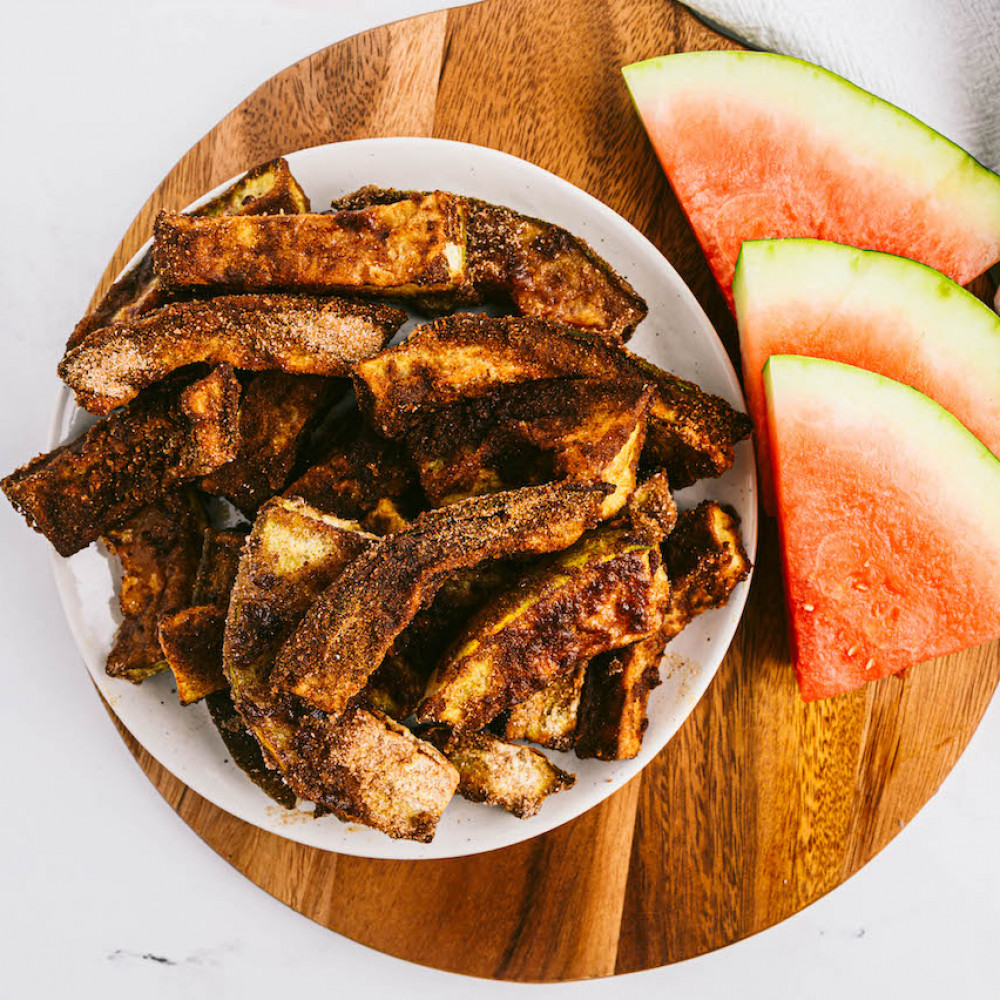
x: 298, y: 334
x: 515, y: 778
x: 689, y: 433
x: 278, y: 412
x: 348, y: 631
x: 363, y: 766
x: 548, y: 717
x: 409, y: 248
x: 245, y: 751
x: 612, y: 717
x: 397, y: 686
x: 269, y: 189
x: 376, y: 772
x: 541, y: 268
x: 705, y: 560
x: 158, y: 548
x: 220, y: 557
x: 578, y: 430
x: 650, y: 511
x: 191, y: 639
x: 606, y: 591
x: 359, y: 468
x: 165, y: 438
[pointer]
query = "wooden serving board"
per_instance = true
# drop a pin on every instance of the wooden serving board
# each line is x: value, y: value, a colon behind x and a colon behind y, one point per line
x: 760, y: 804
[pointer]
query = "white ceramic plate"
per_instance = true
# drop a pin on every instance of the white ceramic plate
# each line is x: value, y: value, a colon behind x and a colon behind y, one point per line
x: 676, y: 335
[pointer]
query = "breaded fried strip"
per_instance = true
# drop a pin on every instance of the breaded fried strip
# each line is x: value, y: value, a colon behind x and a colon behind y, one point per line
x: 298, y: 334
x: 578, y: 430
x: 397, y: 686
x: 167, y: 437
x: 612, y: 717
x: 705, y: 559
x: 363, y: 767
x: 220, y: 557
x: 191, y: 639
x: 376, y: 772
x: 650, y: 510
x: 547, y: 717
x: 606, y: 591
x: 689, y: 433
x: 265, y: 190
x: 515, y: 778
x: 358, y: 469
x: 348, y: 631
x: 158, y: 548
x: 405, y: 249
x: 544, y: 270
x: 277, y: 414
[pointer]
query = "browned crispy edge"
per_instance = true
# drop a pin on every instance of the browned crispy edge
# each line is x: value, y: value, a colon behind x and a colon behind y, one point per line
x: 612, y: 717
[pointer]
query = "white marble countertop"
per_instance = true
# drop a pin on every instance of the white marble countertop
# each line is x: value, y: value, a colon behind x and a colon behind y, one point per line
x: 106, y: 893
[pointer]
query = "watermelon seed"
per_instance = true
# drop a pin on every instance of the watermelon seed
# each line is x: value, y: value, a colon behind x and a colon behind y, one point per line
x: 870, y: 664
x: 808, y: 607
x: 863, y: 587
x: 852, y: 650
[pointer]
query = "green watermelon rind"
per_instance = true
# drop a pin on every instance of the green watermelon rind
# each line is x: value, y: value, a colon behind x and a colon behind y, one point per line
x: 836, y: 107
x: 821, y: 269
x: 945, y: 319
x: 960, y: 460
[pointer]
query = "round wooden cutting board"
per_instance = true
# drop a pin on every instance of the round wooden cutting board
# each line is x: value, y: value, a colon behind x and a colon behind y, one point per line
x: 760, y: 804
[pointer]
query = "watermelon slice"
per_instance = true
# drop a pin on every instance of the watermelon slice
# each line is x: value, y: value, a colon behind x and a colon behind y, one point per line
x: 758, y: 145
x: 889, y: 520
x: 884, y: 313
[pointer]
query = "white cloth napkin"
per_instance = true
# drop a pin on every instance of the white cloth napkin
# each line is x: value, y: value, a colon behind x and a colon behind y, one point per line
x: 937, y: 59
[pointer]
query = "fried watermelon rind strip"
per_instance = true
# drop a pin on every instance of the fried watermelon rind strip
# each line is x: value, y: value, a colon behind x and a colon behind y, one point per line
x: 278, y: 412
x: 497, y: 773
x: 575, y: 430
x: 191, y: 638
x: 606, y: 591
x: 297, y: 334
x: 267, y: 189
x: 541, y: 268
x: 158, y: 549
x: 690, y: 433
x: 351, y: 627
x: 165, y: 438
x: 399, y: 250
x: 362, y: 767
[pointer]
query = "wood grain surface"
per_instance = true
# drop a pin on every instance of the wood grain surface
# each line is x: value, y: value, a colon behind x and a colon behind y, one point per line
x: 760, y: 804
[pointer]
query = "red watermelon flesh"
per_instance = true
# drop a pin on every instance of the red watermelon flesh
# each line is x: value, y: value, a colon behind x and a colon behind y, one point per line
x: 889, y: 521
x: 888, y: 314
x: 757, y: 145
